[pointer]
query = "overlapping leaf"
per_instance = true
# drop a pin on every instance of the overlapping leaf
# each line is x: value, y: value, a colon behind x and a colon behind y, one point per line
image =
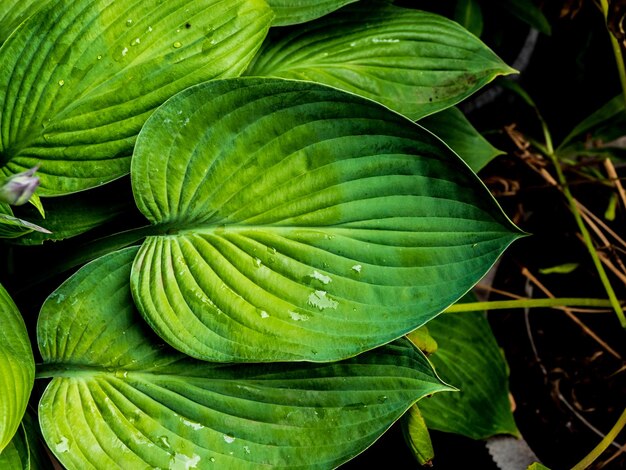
x: 119, y: 398
x: 469, y: 358
x: 17, y: 368
x: 300, y: 11
x: 301, y: 222
x: 451, y: 126
x: 80, y: 78
x: 415, y: 62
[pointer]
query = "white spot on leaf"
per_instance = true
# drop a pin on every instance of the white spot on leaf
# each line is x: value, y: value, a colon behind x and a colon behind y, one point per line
x: 229, y: 439
x: 191, y: 424
x: 320, y: 300
x: 320, y: 277
x: 62, y: 446
x: 298, y: 316
x: 184, y: 462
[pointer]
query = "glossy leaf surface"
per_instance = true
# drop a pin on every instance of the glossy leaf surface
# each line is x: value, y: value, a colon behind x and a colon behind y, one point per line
x: 300, y: 11
x: 451, y: 126
x: 17, y: 368
x: 301, y: 222
x: 80, y: 78
x: 469, y: 358
x: 414, y: 62
x: 119, y: 398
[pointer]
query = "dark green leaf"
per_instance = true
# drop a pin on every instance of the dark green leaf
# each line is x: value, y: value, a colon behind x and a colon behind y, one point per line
x: 600, y: 134
x: 468, y: 357
x: 454, y: 129
x: 120, y: 399
x: 527, y: 11
x: 80, y: 78
x: 74, y: 214
x: 469, y: 15
x: 415, y: 62
x: 17, y: 368
x: 14, y: 12
x: 301, y: 222
x: 300, y: 11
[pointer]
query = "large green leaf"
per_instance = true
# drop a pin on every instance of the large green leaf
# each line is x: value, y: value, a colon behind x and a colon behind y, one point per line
x: 301, y: 222
x: 415, y: 62
x: 15, y: 454
x: 80, y: 78
x: 300, y: 11
x: 14, y: 12
x: 120, y: 399
x: 26, y: 450
x: 451, y: 126
x: 17, y: 368
x: 469, y: 358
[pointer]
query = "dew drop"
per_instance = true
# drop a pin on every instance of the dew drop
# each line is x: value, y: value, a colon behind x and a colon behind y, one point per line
x: 212, y: 459
x: 178, y: 45
x: 264, y: 314
x: 229, y: 439
x: 257, y: 262
x: 129, y: 22
x: 357, y: 268
x: 61, y: 82
x: 124, y: 51
x: 99, y: 57
x: 246, y: 449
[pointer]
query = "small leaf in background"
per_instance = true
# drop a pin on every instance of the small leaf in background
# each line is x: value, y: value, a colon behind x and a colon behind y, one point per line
x: 527, y: 11
x: 469, y: 358
x: 414, y: 62
x: 451, y: 126
x: 17, y: 368
x: 417, y: 436
x: 75, y: 214
x: 12, y: 227
x: 537, y: 466
x: 422, y: 339
x: 290, y: 12
x: 80, y: 78
x: 565, y: 268
x: 600, y: 134
x: 610, y: 212
x: 15, y: 454
x: 469, y: 15
x: 120, y: 398
x: 300, y: 222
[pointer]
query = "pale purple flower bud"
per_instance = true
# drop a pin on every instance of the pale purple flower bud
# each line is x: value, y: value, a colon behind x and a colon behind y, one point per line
x: 19, y: 188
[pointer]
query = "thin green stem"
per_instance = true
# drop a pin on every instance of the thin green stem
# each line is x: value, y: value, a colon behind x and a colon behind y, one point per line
x: 604, y: 443
x: 617, y: 51
x: 615, y: 304
x: 529, y: 303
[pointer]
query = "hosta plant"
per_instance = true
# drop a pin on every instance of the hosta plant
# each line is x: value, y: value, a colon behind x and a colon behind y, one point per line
x: 258, y: 223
